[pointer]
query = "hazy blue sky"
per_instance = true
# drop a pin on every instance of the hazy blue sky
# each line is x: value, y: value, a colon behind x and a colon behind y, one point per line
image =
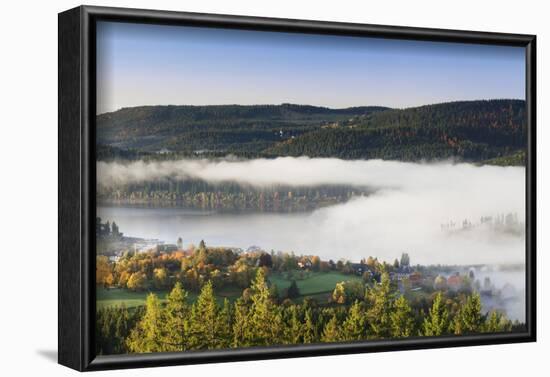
x: 160, y: 65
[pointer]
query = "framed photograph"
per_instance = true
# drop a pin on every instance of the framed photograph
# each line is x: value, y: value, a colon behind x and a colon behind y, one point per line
x: 239, y: 188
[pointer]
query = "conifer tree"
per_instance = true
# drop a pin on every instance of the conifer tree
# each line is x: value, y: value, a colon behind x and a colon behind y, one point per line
x: 469, y: 319
x: 354, y: 327
x: 331, y: 331
x: 380, y: 299
x: 402, y: 324
x: 265, y: 321
x: 204, y: 320
x: 177, y: 319
x: 148, y: 335
x: 293, y: 326
x: 240, y: 323
x: 309, y: 330
x: 224, y: 328
x: 497, y: 322
x: 437, y: 321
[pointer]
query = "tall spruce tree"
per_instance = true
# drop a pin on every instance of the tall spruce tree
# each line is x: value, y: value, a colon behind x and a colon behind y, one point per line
x: 497, y: 322
x: 469, y: 319
x: 293, y: 326
x: 240, y: 323
x: 177, y: 319
x: 309, y: 329
x: 148, y: 335
x: 204, y: 320
x: 265, y: 321
x: 380, y: 300
x: 355, y: 325
x: 331, y: 332
x: 225, y: 322
x: 401, y: 318
x: 437, y: 321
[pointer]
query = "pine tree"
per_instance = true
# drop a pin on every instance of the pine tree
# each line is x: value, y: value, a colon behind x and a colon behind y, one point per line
x: 402, y: 324
x: 177, y: 319
x: 331, y: 331
x: 469, y: 320
x: 497, y: 322
x: 240, y: 324
x: 204, y: 320
x: 379, y: 313
x: 293, y: 326
x: 309, y: 330
x: 265, y: 322
x: 437, y: 322
x: 354, y: 327
x: 148, y: 335
x: 224, y: 329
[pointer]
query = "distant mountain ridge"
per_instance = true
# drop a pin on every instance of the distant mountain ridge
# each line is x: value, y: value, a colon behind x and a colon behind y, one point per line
x: 465, y: 130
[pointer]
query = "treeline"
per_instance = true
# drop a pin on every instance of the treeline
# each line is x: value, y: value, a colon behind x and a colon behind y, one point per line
x: 469, y: 130
x: 203, y: 195
x: 258, y: 319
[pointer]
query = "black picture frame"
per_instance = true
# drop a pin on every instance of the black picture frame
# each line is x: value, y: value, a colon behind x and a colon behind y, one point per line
x: 77, y: 180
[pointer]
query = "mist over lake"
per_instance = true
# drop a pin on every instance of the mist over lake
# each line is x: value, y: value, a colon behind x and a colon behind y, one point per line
x: 406, y: 212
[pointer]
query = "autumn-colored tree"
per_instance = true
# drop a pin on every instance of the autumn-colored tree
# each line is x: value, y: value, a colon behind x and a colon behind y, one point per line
x: 104, y: 272
x: 137, y: 281
x: 160, y: 277
x: 315, y: 263
x: 339, y: 293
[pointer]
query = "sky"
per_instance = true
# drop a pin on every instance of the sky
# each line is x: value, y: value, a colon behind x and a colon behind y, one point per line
x: 141, y: 64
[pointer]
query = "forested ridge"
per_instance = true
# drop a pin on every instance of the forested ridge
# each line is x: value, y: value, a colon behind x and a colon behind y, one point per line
x: 476, y: 131
x: 223, y: 128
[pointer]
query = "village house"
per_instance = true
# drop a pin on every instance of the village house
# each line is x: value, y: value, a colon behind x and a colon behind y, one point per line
x: 454, y: 282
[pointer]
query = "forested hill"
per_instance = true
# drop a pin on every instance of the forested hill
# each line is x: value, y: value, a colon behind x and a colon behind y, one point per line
x: 215, y: 129
x: 478, y: 131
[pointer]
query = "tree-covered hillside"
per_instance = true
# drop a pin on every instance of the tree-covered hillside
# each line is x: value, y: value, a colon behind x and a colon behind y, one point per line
x: 471, y: 130
x: 219, y: 129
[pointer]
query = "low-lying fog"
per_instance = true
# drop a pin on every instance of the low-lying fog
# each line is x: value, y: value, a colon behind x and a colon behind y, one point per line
x: 405, y: 214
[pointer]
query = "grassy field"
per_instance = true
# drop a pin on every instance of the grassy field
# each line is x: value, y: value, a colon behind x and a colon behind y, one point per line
x: 118, y: 296
x: 315, y: 284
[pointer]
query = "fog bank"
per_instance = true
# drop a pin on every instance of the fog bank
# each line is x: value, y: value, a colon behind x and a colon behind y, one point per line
x: 404, y: 215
